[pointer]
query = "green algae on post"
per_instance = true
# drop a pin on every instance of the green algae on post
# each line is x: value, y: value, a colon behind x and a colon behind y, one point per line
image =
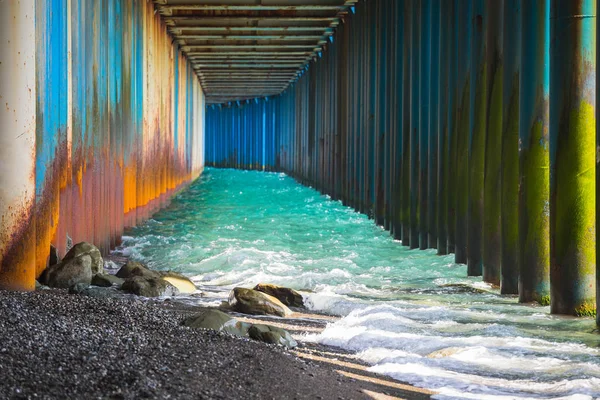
x: 573, y: 158
x: 534, y: 157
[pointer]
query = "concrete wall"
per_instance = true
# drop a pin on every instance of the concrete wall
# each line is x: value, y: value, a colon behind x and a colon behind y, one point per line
x: 101, y: 122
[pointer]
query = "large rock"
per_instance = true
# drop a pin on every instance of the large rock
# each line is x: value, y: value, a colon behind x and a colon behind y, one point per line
x: 287, y: 296
x: 271, y: 334
x: 133, y: 268
x: 250, y: 301
x: 83, y: 249
x: 69, y: 272
x: 181, y: 282
x: 218, y: 321
x: 149, y: 287
x: 107, y: 280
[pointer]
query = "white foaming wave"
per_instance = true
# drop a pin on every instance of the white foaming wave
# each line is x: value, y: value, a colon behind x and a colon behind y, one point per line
x: 478, y: 367
x: 450, y: 384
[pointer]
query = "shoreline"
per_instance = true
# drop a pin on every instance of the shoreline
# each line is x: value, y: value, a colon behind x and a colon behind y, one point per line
x: 59, y: 345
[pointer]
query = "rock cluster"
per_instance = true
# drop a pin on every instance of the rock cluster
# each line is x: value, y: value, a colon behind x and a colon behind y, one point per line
x: 249, y: 301
x: 287, y: 296
x: 83, y: 266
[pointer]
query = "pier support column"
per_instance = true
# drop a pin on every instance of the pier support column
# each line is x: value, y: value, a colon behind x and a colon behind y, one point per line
x: 17, y: 145
x: 453, y: 104
x: 424, y: 123
x: 465, y: 18
x: 434, y: 129
x: 573, y: 157
x: 534, y: 218
x: 445, y: 42
x: 415, y: 125
x: 510, y: 147
x: 477, y: 133
x: 492, y: 241
x: 406, y: 125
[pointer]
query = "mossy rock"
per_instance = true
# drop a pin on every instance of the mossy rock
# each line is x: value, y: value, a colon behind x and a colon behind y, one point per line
x: 69, y: 272
x: 149, y: 287
x: 287, y: 296
x: 271, y: 334
x: 134, y: 268
x: 250, y: 301
x: 218, y: 321
x: 84, y: 248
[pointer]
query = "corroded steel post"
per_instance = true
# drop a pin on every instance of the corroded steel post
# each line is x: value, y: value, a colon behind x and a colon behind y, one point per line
x: 445, y: 42
x: 398, y: 113
x: 424, y: 122
x: 477, y: 142
x: 406, y: 125
x: 415, y: 118
x: 17, y: 145
x: 465, y: 18
x: 453, y: 104
x: 510, y: 147
x: 534, y: 218
x: 435, y: 125
x: 573, y: 157
x: 493, y: 157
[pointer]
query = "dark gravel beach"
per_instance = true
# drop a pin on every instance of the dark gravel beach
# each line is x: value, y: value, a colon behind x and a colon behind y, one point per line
x: 57, y: 346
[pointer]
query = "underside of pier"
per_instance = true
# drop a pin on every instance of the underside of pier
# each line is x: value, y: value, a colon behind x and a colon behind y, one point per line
x: 465, y: 126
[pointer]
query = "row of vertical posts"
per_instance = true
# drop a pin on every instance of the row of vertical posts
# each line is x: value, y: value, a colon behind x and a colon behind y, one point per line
x: 241, y: 135
x: 108, y: 124
x: 468, y: 126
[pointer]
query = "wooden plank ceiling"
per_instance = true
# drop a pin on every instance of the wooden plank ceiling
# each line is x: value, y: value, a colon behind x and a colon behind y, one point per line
x: 243, y: 49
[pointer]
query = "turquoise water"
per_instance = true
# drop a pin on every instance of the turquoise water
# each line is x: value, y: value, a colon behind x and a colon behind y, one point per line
x: 412, y: 314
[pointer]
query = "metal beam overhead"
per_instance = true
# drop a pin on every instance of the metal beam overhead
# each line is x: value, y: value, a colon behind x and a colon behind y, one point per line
x: 243, y: 49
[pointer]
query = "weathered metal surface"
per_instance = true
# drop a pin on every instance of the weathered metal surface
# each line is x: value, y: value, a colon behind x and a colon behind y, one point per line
x: 573, y: 157
x: 464, y: 121
x: 492, y: 261
x: 411, y: 115
x: 534, y: 153
x: 406, y: 121
x: 424, y: 120
x: 17, y: 145
x: 118, y: 124
x: 445, y: 101
x: 510, y: 147
x: 477, y: 136
x: 415, y: 124
x: 453, y: 107
x: 435, y: 125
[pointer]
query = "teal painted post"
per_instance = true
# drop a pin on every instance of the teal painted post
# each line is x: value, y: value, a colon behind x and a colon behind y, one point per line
x: 573, y: 157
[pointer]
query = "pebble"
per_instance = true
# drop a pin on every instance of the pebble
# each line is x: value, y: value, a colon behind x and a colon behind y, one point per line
x: 58, y: 346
